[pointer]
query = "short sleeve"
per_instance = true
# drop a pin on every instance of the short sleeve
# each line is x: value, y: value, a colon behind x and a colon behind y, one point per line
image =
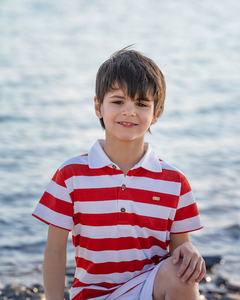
x: 187, y: 215
x: 56, y: 206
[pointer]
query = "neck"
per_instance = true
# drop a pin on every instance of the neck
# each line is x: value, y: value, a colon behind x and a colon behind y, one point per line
x: 126, y: 154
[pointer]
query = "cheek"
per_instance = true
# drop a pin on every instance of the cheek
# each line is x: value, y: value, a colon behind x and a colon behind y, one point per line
x: 108, y: 115
x: 148, y: 117
x: 110, y: 112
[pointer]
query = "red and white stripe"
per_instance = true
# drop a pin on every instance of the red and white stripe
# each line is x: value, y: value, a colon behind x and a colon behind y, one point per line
x: 113, y: 246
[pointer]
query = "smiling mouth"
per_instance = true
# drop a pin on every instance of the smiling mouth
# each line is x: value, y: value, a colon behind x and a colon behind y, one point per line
x: 127, y: 124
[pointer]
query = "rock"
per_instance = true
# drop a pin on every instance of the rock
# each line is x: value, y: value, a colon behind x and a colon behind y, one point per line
x: 217, y: 290
x: 231, y: 297
x: 66, y: 293
x: 220, y: 281
x: 35, y: 292
x: 233, y: 286
x: 212, y: 287
x: 213, y: 296
x: 37, y: 288
x: 210, y: 261
x: 202, y: 297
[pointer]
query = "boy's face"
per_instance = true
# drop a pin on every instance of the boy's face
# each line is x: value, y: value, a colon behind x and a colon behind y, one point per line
x: 125, y: 118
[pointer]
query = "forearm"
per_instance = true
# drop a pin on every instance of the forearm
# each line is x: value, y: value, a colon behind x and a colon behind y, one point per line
x: 54, y: 274
x: 192, y: 268
x: 177, y: 240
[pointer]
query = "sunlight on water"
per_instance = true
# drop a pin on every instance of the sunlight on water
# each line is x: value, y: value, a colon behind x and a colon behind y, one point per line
x: 49, y: 56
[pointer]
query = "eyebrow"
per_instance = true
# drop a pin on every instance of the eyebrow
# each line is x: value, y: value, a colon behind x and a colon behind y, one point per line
x: 118, y: 96
x: 143, y: 99
x: 136, y: 99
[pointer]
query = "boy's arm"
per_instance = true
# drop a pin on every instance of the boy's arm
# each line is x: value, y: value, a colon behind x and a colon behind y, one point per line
x: 55, y: 263
x: 192, y: 268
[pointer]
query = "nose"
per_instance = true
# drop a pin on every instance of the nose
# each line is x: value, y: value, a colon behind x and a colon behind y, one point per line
x: 129, y: 109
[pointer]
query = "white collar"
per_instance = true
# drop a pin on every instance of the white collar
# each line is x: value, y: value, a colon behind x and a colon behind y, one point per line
x: 97, y: 158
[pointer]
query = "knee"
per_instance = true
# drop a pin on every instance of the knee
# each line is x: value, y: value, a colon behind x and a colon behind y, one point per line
x: 168, y: 285
x: 167, y: 273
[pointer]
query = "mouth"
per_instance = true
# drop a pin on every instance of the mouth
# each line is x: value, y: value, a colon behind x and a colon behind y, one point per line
x: 127, y: 123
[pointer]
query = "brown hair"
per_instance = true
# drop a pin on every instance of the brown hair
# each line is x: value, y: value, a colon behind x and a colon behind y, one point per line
x: 134, y: 72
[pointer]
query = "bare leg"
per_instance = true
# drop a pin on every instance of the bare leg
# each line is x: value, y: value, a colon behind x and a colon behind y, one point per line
x: 167, y: 286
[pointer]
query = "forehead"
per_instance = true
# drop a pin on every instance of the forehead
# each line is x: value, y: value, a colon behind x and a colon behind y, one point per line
x: 124, y: 92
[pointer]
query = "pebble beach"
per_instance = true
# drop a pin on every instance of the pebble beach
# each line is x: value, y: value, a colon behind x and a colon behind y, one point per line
x: 212, y: 287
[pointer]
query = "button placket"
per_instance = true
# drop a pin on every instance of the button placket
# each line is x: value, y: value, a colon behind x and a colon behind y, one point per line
x: 123, y: 209
x: 123, y: 216
x: 123, y: 187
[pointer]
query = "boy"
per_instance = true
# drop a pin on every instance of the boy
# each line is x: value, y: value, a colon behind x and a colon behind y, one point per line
x: 129, y: 212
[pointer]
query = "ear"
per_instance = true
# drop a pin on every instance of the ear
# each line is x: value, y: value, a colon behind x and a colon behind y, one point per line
x: 97, y: 108
x: 156, y: 116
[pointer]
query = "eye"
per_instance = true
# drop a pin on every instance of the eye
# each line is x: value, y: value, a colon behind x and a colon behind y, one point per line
x: 117, y: 102
x: 141, y: 104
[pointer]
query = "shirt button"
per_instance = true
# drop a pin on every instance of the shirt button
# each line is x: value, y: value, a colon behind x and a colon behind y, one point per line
x: 114, y: 167
x: 123, y: 209
x: 123, y: 187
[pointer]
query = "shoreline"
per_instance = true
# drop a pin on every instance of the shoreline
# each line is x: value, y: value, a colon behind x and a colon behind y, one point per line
x: 212, y: 287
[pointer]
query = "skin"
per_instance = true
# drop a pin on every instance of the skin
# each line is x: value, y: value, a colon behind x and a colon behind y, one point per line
x: 178, y: 276
x: 54, y: 263
x: 127, y: 121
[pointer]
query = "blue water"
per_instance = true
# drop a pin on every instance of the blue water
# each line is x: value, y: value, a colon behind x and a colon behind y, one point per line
x: 50, y: 52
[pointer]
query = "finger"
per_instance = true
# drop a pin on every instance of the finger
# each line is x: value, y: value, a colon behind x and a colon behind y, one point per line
x: 202, y: 273
x: 193, y: 268
x: 194, y: 272
x: 176, y: 256
x: 183, y: 267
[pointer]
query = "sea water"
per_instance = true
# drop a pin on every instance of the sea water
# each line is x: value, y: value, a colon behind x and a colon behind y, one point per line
x: 50, y: 52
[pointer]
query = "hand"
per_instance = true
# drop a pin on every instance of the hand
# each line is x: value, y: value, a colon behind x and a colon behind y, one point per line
x: 192, y: 266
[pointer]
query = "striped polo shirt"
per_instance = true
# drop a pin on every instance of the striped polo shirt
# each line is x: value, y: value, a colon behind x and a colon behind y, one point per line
x: 121, y: 225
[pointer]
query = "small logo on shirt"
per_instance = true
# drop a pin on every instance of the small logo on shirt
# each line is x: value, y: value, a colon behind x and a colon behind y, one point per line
x: 156, y: 198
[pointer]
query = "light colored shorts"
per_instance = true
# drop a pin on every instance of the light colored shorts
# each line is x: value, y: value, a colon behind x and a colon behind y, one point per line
x: 138, y: 288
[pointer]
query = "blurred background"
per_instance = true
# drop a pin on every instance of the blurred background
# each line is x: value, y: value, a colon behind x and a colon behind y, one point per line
x: 50, y: 52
